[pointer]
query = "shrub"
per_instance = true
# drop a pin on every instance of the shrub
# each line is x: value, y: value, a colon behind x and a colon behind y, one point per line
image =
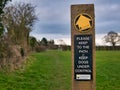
x: 40, y: 48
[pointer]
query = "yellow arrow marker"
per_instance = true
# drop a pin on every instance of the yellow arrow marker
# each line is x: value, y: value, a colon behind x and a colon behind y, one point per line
x: 83, y: 23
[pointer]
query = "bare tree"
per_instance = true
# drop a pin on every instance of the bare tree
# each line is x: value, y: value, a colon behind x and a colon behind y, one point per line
x: 112, y: 37
x: 51, y: 42
x: 2, y: 5
x: 61, y: 42
x: 19, y: 19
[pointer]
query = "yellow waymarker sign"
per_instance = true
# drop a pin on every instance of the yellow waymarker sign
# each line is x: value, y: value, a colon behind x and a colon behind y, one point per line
x: 83, y: 22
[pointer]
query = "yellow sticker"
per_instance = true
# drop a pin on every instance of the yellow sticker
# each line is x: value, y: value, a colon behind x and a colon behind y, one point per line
x: 83, y: 22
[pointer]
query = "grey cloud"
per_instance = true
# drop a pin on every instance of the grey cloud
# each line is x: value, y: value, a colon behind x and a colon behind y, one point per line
x: 50, y: 28
x: 54, y: 15
x: 106, y: 1
x: 107, y: 17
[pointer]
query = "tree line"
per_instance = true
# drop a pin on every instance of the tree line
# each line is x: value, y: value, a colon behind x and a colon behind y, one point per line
x: 44, y: 44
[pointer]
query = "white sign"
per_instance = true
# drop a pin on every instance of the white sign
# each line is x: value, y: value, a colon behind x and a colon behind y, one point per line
x: 83, y: 76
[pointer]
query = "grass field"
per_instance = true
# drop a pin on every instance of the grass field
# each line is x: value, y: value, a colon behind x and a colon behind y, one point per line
x: 108, y: 70
x: 51, y: 70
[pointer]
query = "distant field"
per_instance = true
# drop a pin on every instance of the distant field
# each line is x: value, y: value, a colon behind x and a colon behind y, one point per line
x: 51, y: 70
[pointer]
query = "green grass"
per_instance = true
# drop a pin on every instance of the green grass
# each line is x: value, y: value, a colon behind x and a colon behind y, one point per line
x: 108, y: 70
x: 51, y: 70
x: 48, y: 71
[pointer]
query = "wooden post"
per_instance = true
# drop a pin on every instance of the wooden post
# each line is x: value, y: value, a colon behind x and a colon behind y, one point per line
x: 83, y: 47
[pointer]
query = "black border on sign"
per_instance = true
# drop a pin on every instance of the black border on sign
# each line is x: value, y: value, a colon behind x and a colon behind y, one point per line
x: 91, y: 41
x: 84, y: 31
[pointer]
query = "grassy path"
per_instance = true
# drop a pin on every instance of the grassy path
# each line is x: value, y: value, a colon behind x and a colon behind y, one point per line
x: 51, y: 70
x: 48, y: 71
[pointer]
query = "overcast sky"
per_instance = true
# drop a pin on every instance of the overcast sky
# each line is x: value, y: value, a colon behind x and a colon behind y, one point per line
x: 54, y: 18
